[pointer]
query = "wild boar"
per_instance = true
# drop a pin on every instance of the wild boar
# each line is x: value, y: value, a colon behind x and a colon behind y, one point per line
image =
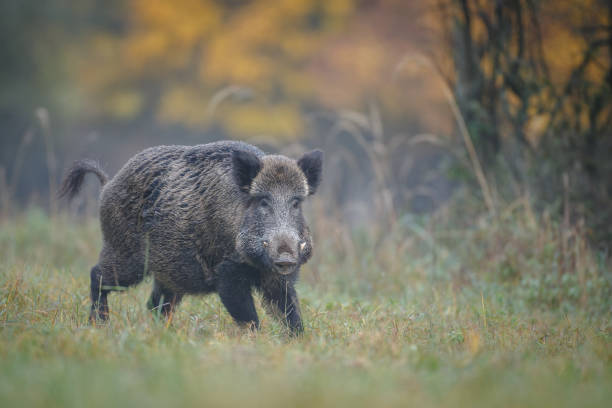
x: 221, y: 217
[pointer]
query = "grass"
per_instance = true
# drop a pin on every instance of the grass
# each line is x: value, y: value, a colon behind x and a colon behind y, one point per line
x: 496, y: 312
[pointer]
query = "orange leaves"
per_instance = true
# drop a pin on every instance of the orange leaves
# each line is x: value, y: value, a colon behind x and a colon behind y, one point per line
x: 124, y: 104
x: 166, y: 33
x: 144, y: 48
x: 293, y: 53
x: 191, y: 49
x: 183, y: 104
x: 186, y: 20
x: 272, y: 122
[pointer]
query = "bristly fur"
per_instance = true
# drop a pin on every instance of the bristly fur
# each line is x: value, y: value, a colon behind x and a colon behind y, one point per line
x: 76, y: 174
x: 311, y: 164
x: 221, y: 217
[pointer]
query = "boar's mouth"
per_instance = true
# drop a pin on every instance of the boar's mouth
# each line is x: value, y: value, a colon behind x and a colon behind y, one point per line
x: 285, y: 264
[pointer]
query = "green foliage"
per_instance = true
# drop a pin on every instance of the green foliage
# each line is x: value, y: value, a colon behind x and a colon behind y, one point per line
x: 430, y: 313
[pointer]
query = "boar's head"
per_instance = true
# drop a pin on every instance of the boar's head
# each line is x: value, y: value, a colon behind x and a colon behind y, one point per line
x: 273, y: 234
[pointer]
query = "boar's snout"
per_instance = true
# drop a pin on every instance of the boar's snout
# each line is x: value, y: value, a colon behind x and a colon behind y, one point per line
x: 284, y: 252
x: 285, y: 260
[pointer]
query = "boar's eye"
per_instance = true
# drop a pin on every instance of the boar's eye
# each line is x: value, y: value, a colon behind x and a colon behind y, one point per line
x: 264, y: 203
x: 295, y: 203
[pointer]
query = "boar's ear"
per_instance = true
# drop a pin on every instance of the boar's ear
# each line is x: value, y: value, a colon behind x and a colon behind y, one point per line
x: 311, y: 164
x: 245, y: 167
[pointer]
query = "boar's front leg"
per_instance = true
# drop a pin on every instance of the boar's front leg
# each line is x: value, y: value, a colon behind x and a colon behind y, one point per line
x: 234, y: 288
x: 163, y: 300
x: 282, y: 301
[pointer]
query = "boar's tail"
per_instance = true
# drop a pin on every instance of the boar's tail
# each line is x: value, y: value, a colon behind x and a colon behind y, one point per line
x: 75, y: 176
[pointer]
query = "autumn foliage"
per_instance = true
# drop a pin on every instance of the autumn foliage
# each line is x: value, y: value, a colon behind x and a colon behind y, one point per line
x: 530, y: 79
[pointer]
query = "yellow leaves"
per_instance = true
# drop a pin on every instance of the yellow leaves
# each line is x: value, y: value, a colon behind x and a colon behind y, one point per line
x: 293, y: 8
x: 152, y: 11
x: 597, y: 72
x: 192, y: 48
x: 189, y: 106
x: 239, y: 52
x: 166, y: 33
x: 251, y: 70
x: 536, y: 127
x: 603, y: 116
x: 298, y: 84
x: 513, y: 102
x: 228, y: 61
x: 297, y: 46
x: 99, y: 69
x: 295, y: 53
x: 339, y: 8
x: 352, y: 69
x: 139, y: 50
x: 124, y: 104
x: 362, y: 59
x: 417, y: 88
x: 563, y: 51
x: 583, y: 119
x: 257, y: 46
x: 186, y: 19
x: 183, y: 104
x: 271, y: 122
x: 564, y: 47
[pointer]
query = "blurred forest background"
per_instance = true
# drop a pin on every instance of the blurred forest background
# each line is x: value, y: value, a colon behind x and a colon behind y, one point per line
x: 419, y: 105
x: 463, y: 228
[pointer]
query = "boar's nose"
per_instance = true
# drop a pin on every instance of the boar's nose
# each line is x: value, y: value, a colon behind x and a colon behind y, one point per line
x: 285, y: 255
x: 284, y: 250
x: 285, y: 260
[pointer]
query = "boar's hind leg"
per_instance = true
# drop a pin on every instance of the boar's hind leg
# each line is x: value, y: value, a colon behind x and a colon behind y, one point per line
x: 282, y: 302
x: 234, y: 289
x: 99, y: 303
x: 163, y: 300
x: 110, y: 275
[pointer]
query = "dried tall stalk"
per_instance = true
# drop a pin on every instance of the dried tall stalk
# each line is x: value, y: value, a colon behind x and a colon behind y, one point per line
x: 43, y: 117
x: 235, y: 91
x: 4, y: 193
x: 480, y: 176
x: 465, y: 134
x: 355, y: 124
x: 25, y: 141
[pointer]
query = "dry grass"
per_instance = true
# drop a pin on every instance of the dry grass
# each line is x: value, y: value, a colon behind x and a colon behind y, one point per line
x: 501, y: 314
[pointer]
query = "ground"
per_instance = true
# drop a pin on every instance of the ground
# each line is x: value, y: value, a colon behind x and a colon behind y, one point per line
x: 480, y: 317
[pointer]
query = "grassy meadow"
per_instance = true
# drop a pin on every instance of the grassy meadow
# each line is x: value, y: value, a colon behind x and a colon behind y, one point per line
x: 512, y: 310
